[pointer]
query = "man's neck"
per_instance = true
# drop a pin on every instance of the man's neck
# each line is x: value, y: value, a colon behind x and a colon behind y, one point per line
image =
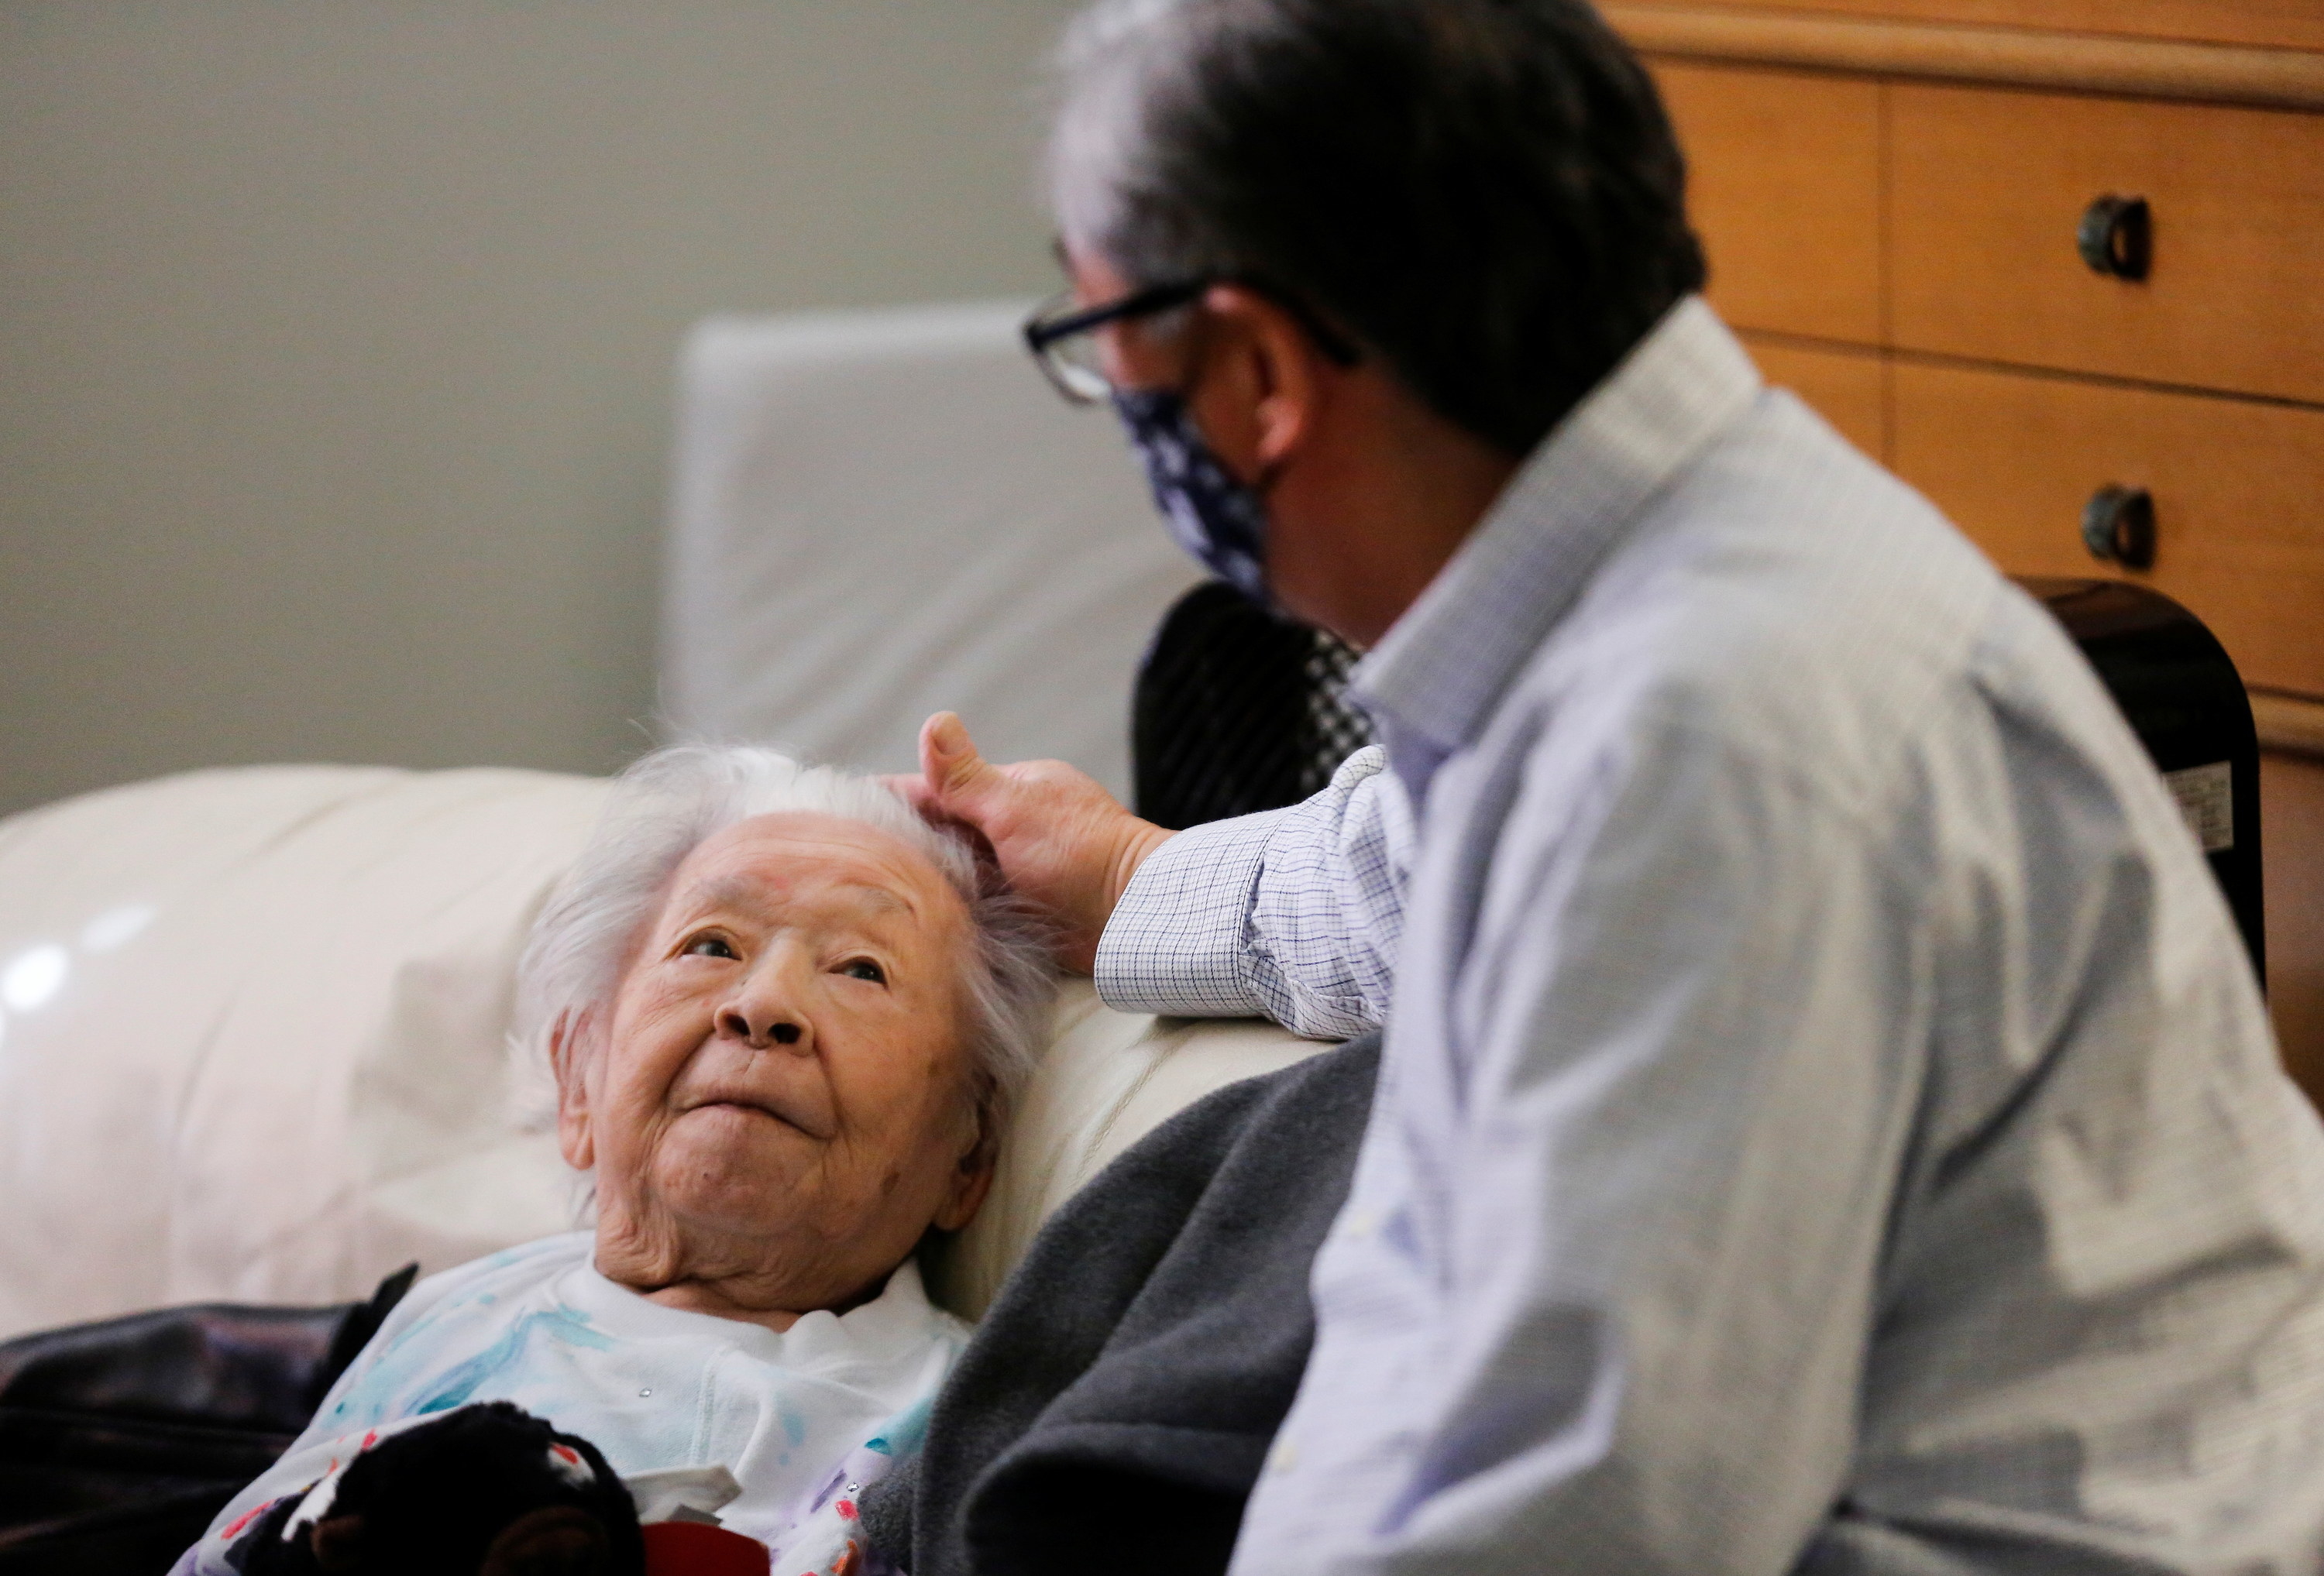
x: 1358, y: 529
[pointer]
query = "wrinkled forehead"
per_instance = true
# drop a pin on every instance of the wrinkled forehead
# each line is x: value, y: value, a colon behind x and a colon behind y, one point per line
x: 808, y: 864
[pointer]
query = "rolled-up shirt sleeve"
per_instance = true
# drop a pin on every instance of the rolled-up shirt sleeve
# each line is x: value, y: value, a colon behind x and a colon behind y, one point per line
x: 1291, y: 913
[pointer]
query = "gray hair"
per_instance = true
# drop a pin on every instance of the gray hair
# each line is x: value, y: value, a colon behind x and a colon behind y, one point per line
x: 670, y: 802
x: 1485, y: 194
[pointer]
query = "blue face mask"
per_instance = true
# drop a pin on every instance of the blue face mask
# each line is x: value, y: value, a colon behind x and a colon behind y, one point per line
x: 1215, y: 517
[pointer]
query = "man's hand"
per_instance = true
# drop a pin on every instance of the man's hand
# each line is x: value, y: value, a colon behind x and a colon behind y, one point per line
x: 1063, y: 844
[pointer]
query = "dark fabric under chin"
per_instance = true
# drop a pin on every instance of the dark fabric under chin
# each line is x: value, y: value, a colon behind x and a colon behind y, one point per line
x: 1117, y: 1401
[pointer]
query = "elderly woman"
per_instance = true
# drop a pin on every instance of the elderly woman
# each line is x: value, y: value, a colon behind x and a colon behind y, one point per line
x: 784, y: 1020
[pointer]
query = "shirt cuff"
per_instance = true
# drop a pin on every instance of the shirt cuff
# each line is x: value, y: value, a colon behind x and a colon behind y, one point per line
x: 1179, y: 941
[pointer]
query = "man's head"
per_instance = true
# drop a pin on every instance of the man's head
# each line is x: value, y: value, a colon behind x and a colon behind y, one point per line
x: 1481, y: 198
x: 785, y: 1021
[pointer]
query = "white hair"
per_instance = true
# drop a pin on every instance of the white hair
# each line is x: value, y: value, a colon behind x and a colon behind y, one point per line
x: 670, y: 802
x: 1105, y: 73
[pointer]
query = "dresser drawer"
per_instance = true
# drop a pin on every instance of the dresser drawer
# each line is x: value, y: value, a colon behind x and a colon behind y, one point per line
x: 1784, y: 185
x: 1847, y: 388
x: 1988, y: 189
x: 2239, y: 516
x: 2292, y: 843
x: 2287, y: 23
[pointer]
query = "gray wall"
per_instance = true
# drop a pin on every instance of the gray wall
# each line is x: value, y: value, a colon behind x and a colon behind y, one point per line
x: 336, y: 340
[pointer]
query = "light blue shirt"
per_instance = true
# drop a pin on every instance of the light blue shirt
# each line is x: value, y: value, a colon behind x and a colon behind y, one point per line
x: 1827, y: 1121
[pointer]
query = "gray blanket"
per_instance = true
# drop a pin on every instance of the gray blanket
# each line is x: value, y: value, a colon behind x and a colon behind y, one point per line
x: 1114, y: 1409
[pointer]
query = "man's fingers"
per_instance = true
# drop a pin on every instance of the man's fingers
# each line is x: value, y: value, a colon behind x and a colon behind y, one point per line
x: 948, y: 757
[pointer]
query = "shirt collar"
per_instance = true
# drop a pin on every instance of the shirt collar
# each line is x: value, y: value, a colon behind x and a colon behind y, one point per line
x: 1437, y: 675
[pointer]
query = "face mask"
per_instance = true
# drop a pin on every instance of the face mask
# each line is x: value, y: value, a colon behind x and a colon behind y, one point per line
x: 1215, y: 517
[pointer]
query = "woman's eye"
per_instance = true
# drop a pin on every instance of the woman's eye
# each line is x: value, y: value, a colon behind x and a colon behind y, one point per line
x: 710, y: 946
x: 865, y: 969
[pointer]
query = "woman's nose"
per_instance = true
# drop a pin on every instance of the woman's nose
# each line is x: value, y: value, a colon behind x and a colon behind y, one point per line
x: 764, y: 1012
x: 760, y: 1029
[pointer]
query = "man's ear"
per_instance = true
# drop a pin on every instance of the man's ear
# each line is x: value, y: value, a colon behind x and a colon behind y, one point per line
x: 971, y: 1177
x: 569, y: 1058
x: 1263, y: 381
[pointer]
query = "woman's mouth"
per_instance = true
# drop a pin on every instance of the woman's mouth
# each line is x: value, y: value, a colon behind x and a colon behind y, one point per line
x: 754, y: 1106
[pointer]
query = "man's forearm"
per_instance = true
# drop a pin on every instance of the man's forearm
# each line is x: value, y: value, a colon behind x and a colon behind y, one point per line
x: 1291, y: 913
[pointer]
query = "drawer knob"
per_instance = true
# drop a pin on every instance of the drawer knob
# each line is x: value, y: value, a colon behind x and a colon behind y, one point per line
x: 2116, y: 236
x: 2119, y: 527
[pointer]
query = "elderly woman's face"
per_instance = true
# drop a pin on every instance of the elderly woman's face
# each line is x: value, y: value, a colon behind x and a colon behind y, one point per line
x: 780, y: 1101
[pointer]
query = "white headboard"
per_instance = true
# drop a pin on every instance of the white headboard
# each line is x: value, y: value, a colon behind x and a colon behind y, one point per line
x: 879, y: 514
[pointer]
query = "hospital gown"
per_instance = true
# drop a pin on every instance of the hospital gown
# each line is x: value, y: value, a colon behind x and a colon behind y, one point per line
x: 804, y: 1419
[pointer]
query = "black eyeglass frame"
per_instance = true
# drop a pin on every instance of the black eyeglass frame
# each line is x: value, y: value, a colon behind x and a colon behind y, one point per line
x: 1044, y: 328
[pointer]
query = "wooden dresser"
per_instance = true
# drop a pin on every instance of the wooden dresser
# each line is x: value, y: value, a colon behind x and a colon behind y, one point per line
x: 2061, y: 265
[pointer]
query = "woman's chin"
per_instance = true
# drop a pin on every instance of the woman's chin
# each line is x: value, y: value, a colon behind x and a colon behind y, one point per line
x: 735, y: 1165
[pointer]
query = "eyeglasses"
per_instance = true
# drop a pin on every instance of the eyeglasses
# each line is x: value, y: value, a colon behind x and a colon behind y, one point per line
x: 1064, y: 341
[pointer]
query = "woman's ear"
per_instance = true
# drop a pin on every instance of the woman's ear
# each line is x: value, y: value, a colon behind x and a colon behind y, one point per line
x: 569, y: 1059
x: 971, y: 1177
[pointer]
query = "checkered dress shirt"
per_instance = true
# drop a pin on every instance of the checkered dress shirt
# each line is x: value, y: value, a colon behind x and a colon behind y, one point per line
x: 1827, y: 1121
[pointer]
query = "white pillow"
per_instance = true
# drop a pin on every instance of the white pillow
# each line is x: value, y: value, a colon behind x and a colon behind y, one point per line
x: 253, y: 1046
x: 1108, y: 1079
x: 252, y: 1031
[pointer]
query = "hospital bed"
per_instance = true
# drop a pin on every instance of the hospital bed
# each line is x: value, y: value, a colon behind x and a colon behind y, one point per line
x: 252, y: 1022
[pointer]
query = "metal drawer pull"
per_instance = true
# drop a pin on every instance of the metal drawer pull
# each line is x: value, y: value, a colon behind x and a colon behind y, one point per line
x: 2119, y: 527
x: 2116, y: 236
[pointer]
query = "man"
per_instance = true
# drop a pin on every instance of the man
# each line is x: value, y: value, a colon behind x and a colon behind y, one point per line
x: 1827, y: 1121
